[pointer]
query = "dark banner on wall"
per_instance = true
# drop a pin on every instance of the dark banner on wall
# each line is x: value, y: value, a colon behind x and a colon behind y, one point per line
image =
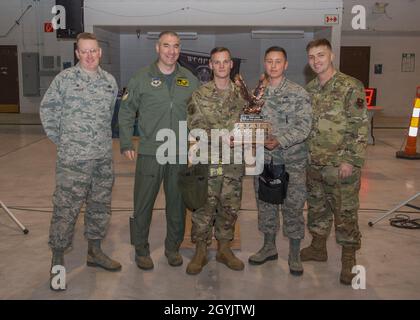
x: 198, y: 64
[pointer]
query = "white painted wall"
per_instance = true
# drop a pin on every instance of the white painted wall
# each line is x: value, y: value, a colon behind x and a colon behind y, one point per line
x: 137, y: 53
x: 188, y: 13
x: 401, y: 15
x: 396, y: 89
x: 389, y: 35
x: 122, y: 54
x: 110, y: 44
x: 29, y: 36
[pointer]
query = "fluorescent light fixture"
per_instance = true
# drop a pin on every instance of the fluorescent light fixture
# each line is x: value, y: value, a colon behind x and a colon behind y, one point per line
x: 182, y: 35
x: 277, y: 34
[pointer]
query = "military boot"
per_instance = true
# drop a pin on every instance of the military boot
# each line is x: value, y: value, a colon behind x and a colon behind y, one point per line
x: 57, y: 259
x: 267, y: 252
x: 295, y: 265
x: 317, y: 251
x: 174, y: 258
x: 144, y: 262
x: 96, y: 258
x: 199, y: 260
x: 348, y: 260
x: 226, y: 256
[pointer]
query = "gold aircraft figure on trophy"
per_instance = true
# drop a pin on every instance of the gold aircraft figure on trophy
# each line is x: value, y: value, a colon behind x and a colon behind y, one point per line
x: 254, y: 101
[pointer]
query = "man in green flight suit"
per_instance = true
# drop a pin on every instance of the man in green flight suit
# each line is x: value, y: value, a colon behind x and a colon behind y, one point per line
x: 337, y: 145
x: 159, y: 93
x: 217, y: 105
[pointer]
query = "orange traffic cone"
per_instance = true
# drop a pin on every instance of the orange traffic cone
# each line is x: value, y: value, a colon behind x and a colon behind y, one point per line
x: 410, y: 147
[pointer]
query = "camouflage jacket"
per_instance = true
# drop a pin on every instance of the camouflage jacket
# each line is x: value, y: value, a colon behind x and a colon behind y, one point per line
x: 288, y: 108
x: 76, y: 113
x: 340, y: 121
x: 209, y: 109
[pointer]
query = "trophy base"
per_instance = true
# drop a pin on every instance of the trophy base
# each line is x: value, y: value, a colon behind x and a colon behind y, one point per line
x: 248, y: 126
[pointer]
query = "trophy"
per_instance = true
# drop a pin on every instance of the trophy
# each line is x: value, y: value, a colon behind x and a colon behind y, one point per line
x: 251, y: 119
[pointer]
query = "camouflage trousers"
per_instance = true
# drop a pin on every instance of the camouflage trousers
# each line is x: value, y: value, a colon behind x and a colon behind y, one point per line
x: 331, y: 198
x: 79, y: 182
x: 222, y: 206
x: 292, y: 208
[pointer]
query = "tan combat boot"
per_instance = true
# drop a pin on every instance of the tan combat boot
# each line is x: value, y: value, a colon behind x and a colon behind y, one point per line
x: 348, y: 260
x: 143, y: 259
x: 96, y: 257
x: 199, y: 260
x: 295, y: 264
x: 226, y: 256
x: 317, y: 251
x: 267, y: 252
x: 174, y: 258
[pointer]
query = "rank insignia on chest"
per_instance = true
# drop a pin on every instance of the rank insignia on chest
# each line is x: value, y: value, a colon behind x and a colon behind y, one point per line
x: 182, y: 82
x: 156, y: 82
x: 125, y: 96
x: 360, y: 103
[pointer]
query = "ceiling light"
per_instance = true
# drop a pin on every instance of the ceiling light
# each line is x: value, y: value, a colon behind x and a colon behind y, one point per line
x: 182, y: 35
x: 277, y: 34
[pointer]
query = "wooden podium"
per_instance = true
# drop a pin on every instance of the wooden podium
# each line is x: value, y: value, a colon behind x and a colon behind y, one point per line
x: 235, y: 244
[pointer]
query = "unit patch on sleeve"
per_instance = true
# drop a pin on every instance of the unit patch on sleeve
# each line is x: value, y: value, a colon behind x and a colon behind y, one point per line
x: 360, y: 103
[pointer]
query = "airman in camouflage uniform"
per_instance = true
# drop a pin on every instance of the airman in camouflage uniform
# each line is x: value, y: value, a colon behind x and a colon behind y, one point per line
x: 217, y: 105
x: 337, y: 147
x: 76, y: 113
x: 287, y: 106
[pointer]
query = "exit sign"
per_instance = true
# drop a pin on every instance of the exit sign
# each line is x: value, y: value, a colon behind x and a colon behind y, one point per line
x: 48, y: 27
x: 331, y: 19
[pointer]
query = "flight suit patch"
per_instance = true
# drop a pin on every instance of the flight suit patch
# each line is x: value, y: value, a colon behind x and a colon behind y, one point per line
x: 156, y: 82
x: 183, y: 82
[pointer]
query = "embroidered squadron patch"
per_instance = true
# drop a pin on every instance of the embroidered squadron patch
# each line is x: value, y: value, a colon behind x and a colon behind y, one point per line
x: 156, y: 82
x: 360, y: 103
x: 125, y: 96
x: 182, y: 82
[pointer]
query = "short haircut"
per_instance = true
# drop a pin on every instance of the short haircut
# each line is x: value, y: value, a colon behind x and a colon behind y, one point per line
x: 168, y: 33
x: 275, y: 49
x: 86, y: 36
x: 220, y: 49
x: 318, y: 43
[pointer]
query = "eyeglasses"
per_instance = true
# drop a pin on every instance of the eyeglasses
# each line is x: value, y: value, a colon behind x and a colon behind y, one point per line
x: 86, y: 51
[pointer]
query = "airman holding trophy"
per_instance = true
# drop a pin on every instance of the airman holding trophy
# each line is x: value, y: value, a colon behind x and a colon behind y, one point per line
x: 287, y: 107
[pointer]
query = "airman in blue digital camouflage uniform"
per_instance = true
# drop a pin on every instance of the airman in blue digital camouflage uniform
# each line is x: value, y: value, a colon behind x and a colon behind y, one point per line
x: 76, y: 113
x: 288, y: 108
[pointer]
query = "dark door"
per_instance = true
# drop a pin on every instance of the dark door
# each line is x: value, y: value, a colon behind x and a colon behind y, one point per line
x: 355, y: 61
x: 9, y: 80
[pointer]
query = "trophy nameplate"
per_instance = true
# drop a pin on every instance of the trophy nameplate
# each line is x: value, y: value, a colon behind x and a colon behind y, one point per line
x: 251, y: 119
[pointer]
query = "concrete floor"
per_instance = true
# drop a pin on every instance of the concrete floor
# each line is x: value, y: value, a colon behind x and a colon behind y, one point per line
x: 391, y: 256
